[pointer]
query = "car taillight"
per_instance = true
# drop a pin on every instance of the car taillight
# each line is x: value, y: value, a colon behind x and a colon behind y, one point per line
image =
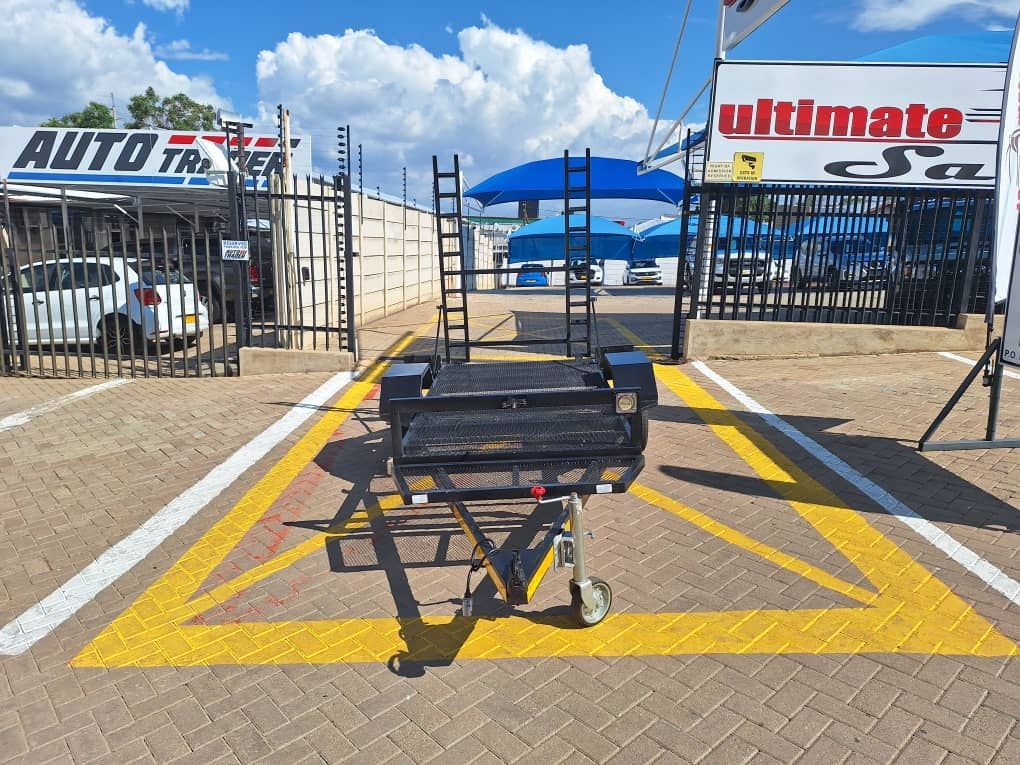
x: 148, y: 296
x: 253, y: 273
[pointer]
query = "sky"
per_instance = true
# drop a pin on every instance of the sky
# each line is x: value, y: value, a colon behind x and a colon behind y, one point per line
x: 499, y: 83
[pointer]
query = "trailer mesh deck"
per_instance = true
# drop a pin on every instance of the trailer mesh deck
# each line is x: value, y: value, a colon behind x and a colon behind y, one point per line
x: 518, y: 377
x: 495, y: 430
x: 538, y: 431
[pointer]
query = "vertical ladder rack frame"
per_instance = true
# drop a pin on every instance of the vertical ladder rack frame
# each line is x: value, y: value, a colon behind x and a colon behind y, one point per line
x: 572, y: 174
x: 454, y: 314
x: 449, y: 236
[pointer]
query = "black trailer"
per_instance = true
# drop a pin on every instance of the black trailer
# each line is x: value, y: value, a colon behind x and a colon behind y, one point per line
x: 465, y: 431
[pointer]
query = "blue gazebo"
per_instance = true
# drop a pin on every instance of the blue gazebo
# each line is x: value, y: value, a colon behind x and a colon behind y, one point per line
x: 667, y: 240
x: 542, y: 241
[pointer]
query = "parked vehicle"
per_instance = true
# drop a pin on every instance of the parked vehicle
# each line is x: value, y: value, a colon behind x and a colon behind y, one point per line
x: 938, y: 249
x: 841, y: 261
x: 746, y: 265
x: 532, y: 275
x: 642, y: 272
x: 578, y: 274
x: 108, y: 303
x: 218, y: 282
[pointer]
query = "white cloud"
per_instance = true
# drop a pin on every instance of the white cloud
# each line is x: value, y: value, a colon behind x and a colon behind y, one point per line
x: 56, y: 57
x: 179, y: 6
x: 181, y: 50
x: 506, y: 98
x: 911, y: 14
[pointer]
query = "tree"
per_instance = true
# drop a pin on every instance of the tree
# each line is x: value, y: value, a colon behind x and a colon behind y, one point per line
x: 95, y: 115
x: 178, y: 112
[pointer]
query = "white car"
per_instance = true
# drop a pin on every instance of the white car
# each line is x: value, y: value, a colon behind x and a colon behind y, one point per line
x: 742, y: 268
x: 643, y: 272
x: 104, y: 301
x: 578, y: 276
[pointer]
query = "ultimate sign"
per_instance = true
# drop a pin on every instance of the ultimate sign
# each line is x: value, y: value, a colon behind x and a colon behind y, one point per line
x: 904, y: 125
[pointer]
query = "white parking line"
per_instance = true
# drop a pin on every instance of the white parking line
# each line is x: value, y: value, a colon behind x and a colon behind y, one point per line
x: 23, y: 418
x: 972, y: 362
x: 56, y: 608
x: 971, y: 561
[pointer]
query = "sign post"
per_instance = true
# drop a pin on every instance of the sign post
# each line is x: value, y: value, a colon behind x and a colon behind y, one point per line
x: 1005, y: 277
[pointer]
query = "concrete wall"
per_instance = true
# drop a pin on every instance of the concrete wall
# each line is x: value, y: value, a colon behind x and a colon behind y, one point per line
x: 396, y: 264
x: 722, y: 339
x: 482, y: 250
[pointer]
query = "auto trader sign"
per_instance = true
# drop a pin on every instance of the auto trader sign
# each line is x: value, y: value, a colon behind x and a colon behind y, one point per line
x: 860, y: 124
x: 147, y: 158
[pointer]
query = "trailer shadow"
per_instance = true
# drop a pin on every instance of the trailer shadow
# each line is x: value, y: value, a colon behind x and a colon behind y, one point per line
x: 403, y: 540
x: 938, y: 494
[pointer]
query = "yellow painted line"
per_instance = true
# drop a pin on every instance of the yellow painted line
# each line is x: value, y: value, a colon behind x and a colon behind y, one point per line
x: 910, y: 610
x: 224, y: 592
x: 791, y: 563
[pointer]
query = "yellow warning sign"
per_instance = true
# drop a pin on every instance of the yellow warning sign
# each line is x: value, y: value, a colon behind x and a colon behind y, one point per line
x: 748, y: 166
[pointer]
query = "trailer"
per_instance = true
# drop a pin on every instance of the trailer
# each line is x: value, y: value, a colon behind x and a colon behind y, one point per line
x: 558, y: 431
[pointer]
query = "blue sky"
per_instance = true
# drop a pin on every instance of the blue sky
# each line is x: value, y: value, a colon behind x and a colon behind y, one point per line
x: 630, y: 42
x: 500, y: 82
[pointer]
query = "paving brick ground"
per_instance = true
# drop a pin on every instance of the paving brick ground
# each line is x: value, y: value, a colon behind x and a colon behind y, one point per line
x: 74, y: 481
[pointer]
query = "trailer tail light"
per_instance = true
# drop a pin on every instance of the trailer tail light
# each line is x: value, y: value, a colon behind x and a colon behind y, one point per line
x: 253, y: 273
x: 148, y: 296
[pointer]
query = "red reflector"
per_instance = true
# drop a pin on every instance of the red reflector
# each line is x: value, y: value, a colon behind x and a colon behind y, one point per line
x: 148, y: 296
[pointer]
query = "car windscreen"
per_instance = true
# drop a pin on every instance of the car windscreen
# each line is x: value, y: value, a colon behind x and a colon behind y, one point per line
x: 155, y: 278
x: 644, y: 264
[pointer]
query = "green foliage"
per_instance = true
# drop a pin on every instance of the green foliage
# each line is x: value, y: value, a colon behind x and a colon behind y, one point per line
x: 95, y: 115
x: 178, y: 112
x: 148, y: 110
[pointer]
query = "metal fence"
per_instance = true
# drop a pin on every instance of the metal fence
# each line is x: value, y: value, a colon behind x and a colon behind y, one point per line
x: 89, y: 288
x: 855, y: 256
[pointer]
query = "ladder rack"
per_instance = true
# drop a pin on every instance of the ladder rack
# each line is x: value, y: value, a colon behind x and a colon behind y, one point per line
x: 577, y: 247
x: 452, y: 284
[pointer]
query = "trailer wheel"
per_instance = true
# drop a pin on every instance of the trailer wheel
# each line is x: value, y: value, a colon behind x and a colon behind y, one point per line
x: 603, y: 595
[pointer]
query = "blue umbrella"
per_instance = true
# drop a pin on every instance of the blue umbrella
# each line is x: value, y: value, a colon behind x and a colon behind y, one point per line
x: 610, y: 179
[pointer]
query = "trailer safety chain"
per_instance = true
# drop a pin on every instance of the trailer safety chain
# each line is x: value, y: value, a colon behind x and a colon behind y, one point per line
x: 486, y: 546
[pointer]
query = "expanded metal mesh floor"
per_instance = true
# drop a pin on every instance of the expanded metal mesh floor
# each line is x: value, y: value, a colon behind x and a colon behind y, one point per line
x: 519, y: 475
x: 529, y: 431
x: 517, y: 376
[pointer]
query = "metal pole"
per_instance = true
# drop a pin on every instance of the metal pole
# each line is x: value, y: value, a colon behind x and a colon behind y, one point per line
x: 580, y: 575
x: 352, y: 331
x: 720, y: 33
x: 995, y: 397
x: 244, y: 319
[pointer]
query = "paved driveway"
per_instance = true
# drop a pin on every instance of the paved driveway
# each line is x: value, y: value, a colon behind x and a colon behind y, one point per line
x: 800, y: 589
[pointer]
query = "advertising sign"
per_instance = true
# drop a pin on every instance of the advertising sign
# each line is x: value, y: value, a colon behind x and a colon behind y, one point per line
x: 742, y: 17
x: 165, y: 158
x: 1007, y: 219
x: 860, y: 124
x: 234, y: 249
